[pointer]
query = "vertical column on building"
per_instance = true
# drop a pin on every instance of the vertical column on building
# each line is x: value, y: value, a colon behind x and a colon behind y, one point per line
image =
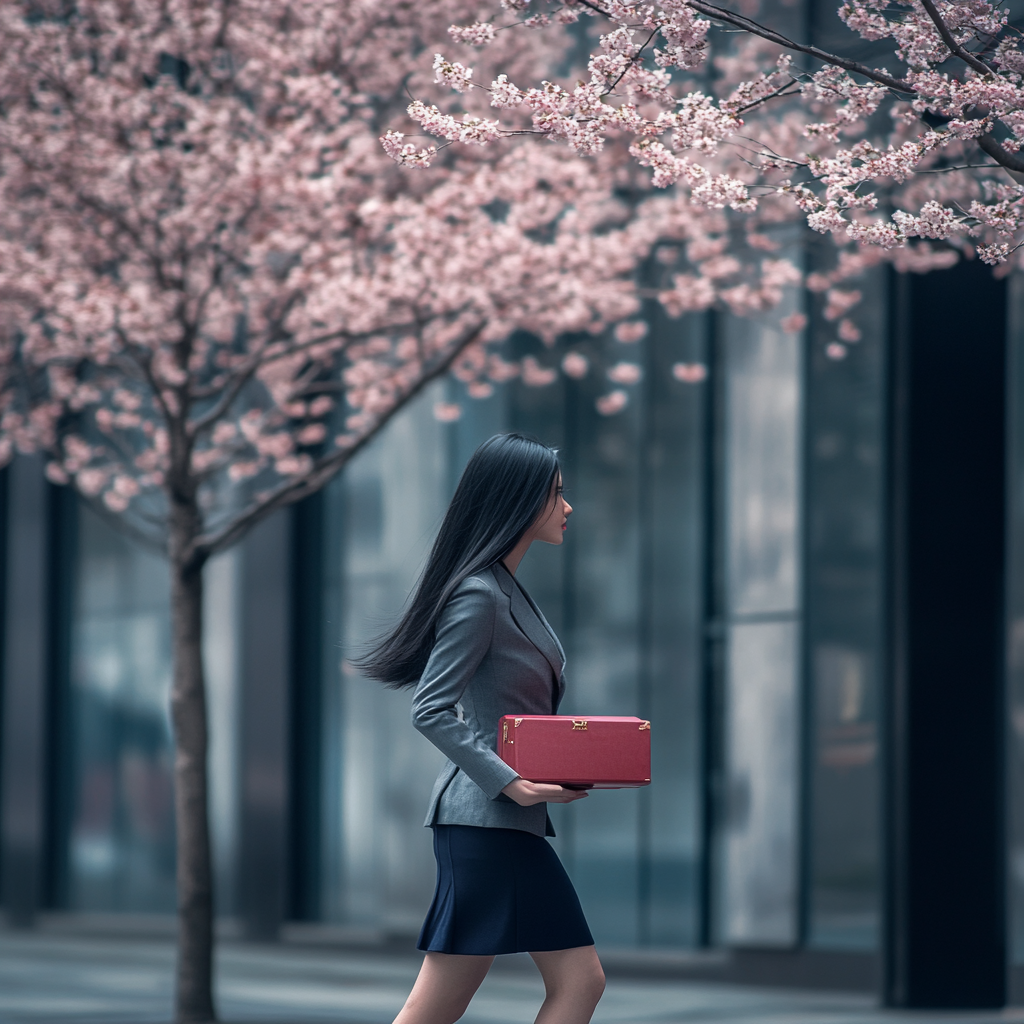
x: 25, y: 692
x: 945, y: 930
x: 265, y: 734
x: 306, y: 708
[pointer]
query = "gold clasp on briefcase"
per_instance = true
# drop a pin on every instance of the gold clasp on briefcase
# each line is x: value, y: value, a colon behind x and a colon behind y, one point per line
x: 579, y: 723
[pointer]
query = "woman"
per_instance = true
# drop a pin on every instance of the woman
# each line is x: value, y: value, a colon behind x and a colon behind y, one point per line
x: 476, y: 647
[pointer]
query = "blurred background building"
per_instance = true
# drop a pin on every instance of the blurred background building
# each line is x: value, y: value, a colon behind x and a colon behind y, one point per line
x: 798, y: 567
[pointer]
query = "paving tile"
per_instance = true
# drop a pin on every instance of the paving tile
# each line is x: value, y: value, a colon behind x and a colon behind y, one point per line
x: 53, y: 979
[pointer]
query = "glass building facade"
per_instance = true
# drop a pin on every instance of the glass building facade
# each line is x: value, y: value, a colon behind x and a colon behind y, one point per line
x: 725, y: 575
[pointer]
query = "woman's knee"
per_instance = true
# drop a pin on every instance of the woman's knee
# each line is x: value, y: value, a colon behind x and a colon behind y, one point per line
x: 574, y: 974
x: 444, y: 988
x: 434, y: 1006
x: 593, y: 981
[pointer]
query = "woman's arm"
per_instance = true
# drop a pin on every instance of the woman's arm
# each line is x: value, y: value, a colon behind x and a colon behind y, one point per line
x: 464, y: 633
x: 463, y: 636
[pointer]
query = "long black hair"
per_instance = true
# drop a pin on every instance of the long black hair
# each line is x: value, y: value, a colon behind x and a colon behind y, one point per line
x: 504, y: 488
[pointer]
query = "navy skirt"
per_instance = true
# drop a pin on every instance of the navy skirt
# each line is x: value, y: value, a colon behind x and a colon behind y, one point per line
x: 500, y: 890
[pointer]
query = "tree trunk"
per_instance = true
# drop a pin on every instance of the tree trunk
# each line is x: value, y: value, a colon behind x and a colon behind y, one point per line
x: 194, y: 986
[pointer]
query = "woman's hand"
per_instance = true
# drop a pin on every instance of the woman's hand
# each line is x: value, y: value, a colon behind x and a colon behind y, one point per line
x: 526, y: 794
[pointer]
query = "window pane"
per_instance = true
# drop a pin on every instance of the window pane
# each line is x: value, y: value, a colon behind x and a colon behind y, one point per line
x: 844, y: 627
x: 758, y: 903
x: 763, y: 456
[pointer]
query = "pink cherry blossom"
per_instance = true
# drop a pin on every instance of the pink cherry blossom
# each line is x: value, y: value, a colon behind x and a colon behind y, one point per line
x: 575, y: 365
x: 630, y: 332
x: 690, y: 373
x: 536, y: 376
x: 625, y: 373
x: 848, y: 331
x: 447, y: 412
x: 839, y: 302
x: 612, y: 403
x: 480, y: 33
x: 453, y: 74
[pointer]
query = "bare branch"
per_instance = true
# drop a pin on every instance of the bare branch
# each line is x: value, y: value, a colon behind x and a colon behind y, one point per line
x: 295, y: 490
x: 261, y: 359
x: 121, y: 523
x: 143, y: 361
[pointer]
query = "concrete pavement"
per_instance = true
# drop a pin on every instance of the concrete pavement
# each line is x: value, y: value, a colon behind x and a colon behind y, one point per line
x: 59, y: 979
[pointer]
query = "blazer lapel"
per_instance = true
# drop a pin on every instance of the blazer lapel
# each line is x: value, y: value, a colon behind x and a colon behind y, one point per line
x: 544, y: 622
x: 529, y: 619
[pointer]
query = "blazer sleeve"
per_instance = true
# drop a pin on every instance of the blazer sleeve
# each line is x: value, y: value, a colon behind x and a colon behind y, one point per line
x: 463, y: 636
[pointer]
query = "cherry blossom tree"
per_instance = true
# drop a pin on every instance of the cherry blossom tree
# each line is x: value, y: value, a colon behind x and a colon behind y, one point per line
x: 216, y: 288
x: 916, y: 162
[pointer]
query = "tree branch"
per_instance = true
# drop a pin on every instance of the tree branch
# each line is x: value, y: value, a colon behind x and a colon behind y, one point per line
x: 295, y: 490
x: 754, y: 28
x: 954, y: 47
x: 1011, y: 161
x: 122, y: 524
x: 632, y: 60
x: 261, y: 359
x: 781, y: 91
x: 234, y: 387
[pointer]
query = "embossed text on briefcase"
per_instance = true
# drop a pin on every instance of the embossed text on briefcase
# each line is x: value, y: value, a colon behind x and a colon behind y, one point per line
x: 602, y: 752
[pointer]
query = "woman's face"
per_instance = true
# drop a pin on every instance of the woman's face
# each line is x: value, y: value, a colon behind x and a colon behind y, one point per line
x: 550, y: 524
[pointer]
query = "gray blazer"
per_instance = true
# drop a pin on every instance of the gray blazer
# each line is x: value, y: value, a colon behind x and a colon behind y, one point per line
x: 494, y: 655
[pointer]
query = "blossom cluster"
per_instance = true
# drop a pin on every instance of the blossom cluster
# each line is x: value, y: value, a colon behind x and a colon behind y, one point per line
x: 935, y: 137
x: 215, y: 281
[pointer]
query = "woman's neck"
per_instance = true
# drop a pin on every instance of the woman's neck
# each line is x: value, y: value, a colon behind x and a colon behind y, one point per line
x: 515, y: 556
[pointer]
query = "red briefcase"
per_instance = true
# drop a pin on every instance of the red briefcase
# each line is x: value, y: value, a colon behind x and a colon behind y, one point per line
x: 597, y: 753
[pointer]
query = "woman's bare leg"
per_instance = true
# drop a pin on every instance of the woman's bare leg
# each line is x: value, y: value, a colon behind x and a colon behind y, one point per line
x: 574, y: 983
x: 445, y: 985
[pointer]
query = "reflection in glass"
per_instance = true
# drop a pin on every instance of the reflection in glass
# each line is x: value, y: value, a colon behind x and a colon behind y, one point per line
x: 763, y: 468
x: 758, y: 835
x: 762, y: 750
x: 121, y: 854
